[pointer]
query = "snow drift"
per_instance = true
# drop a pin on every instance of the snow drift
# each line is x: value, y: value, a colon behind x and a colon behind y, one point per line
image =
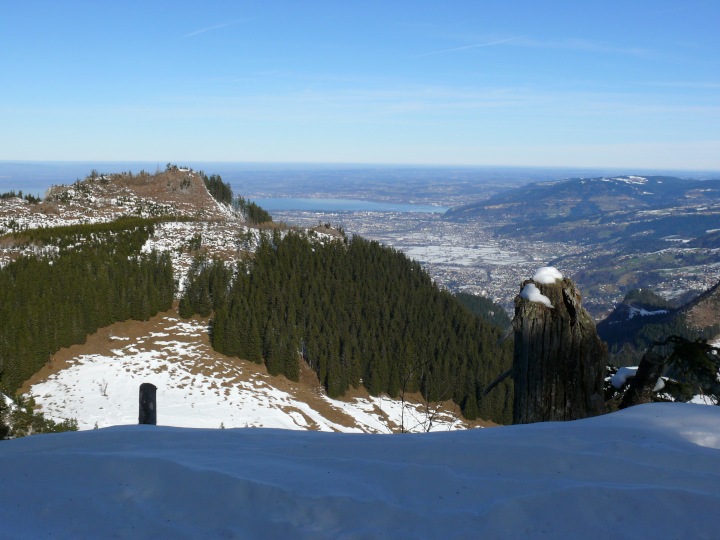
x: 648, y: 471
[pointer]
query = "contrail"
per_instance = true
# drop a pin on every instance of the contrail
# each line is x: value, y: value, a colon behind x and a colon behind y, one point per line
x: 465, y: 47
x: 210, y: 28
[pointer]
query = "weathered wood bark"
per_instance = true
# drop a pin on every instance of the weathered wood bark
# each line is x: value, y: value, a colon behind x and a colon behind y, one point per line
x: 559, y: 360
x: 642, y: 385
x: 148, y: 405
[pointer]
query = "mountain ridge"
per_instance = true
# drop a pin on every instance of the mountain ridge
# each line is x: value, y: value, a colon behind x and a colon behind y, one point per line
x: 189, y: 236
x: 585, y: 197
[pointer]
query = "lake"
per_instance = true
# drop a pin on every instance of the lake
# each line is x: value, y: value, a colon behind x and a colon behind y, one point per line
x: 341, y: 205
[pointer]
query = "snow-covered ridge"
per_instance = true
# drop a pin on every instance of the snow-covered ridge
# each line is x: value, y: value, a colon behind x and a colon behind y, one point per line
x: 650, y: 471
x: 202, y: 225
x: 101, y: 199
x: 633, y: 180
x: 106, y: 198
x: 185, y: 239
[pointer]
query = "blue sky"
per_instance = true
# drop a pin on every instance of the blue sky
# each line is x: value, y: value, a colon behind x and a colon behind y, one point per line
x: 576, y: 83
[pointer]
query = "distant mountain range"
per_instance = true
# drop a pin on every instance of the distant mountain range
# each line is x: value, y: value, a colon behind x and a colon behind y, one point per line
x: 578, y: 197
x: 627, y: 231
x: 606, y: 208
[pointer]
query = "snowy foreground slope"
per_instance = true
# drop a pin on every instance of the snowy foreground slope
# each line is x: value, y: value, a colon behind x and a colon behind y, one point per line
x: 652, y: 471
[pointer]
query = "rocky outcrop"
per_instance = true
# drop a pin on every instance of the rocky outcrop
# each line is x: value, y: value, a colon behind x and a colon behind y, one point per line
x: 704, y: 312
x: 643, y: 384
x: 559, y: 360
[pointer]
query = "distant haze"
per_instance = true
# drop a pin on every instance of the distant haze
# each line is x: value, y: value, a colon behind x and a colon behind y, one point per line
x: 387, y: 183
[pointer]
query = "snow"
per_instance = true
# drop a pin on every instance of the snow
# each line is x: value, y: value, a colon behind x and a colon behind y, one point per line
x: 633, y: 180
x: 625, y: 373
x: 702, y: 399
x: 7, y: 400
x: 218, y: 225
x: 216, y: 238
x: 650, y: 471
x: 532, y: 293
x: 199, y: 388
x: 640, y: 312
x: 445, y: 254
x: 547, y: 275
x: 622, y: 375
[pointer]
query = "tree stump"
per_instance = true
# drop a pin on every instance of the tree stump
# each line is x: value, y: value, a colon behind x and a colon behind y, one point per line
x: 148, y: 405
x: 642, y: 385
x: 559, y: 360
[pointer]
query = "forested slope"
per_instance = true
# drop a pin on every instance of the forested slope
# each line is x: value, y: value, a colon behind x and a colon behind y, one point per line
x: 96, y: 277
x: 359, y: 314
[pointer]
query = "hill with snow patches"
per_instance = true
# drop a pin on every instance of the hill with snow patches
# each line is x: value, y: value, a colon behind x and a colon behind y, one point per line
x: 97, y: 382
x: 652, y: 471
x: 177, y: 194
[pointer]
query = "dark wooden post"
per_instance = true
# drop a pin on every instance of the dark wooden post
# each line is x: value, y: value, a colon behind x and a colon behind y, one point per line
x: 559, y: 360
x: 148, y: 405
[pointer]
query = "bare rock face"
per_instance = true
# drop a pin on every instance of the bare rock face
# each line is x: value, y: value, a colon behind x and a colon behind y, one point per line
x: 559, y: 360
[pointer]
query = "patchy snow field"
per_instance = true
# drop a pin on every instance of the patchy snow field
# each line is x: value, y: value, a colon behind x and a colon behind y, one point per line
x: 226, y: 240
x: 462, y: 256
x: 199, y: 388
x: 651, y: 471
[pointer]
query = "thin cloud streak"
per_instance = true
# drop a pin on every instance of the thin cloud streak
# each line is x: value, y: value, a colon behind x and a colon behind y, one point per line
x: 466, y: 47
x: 568, y: 44
x: 682, y: 84
x: 583, y: 45
x: 215, y: 27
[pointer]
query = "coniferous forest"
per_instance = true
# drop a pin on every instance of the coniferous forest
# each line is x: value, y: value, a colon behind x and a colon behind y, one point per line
x: 221, y: 191
x: 359, y: 314
x: 252, y: 211
x: 97, y: 277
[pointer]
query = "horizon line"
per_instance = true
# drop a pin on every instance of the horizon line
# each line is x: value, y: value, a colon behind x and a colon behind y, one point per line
x: 357, y: 164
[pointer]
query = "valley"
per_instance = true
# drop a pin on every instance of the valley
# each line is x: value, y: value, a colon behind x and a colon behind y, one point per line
x: 462, y: 257
x: 473, y: 257
x: 612, y: 234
